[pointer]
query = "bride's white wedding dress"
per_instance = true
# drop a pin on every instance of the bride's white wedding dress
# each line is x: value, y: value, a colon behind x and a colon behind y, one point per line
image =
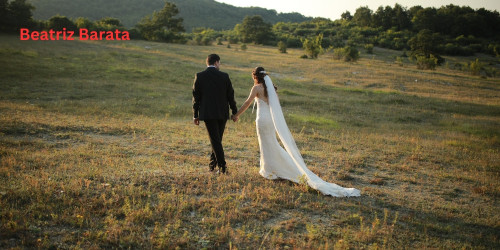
x: 276, y: 162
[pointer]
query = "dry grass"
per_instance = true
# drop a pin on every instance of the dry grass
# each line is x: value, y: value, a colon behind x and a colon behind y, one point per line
x: 97, y: 150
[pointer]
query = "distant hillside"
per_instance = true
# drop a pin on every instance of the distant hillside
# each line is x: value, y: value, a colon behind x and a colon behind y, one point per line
x: 196, y: 13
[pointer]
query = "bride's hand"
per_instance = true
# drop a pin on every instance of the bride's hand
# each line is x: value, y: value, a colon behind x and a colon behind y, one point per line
x: 235, y: 118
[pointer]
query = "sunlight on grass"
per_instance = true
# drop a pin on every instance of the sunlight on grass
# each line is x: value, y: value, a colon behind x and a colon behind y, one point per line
x: 314, y: 120
x: 98, y: 150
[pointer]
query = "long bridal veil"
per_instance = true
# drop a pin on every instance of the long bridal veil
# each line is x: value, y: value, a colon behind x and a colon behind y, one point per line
x: 291, y: 148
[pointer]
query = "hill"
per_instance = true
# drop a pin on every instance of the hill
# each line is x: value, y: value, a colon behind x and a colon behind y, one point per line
x: 98, y: 150
x: 196, y: 13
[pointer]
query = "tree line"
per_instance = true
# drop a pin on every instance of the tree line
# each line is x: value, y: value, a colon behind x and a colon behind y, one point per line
x: 426, y: 33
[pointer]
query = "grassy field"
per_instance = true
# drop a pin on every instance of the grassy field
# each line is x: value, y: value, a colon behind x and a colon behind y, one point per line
x: 98, y: 150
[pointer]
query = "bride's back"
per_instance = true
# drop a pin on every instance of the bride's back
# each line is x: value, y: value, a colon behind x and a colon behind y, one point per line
x: 261, y: 93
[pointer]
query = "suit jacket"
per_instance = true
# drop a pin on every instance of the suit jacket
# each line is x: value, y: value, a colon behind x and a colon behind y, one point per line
x: 213, y: 94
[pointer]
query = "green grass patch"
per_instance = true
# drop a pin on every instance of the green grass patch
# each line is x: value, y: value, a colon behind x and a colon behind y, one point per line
x: 313, y: 120
x: 98, y: 150
x: 289, y: 92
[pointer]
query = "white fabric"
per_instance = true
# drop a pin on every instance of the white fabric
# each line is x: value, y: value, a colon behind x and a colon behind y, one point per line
x: 275, y: 162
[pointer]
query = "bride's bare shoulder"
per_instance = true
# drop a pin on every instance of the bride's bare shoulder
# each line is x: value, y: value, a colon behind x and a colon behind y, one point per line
x: 258, y: 88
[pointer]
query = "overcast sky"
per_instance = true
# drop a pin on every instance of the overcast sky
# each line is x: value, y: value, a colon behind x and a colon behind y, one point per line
x: 334, y: 8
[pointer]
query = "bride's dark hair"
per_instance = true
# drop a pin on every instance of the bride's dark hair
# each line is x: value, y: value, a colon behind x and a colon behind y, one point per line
x: 259, y: 72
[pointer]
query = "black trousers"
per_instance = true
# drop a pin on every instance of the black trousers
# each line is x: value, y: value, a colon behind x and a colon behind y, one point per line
x: 215, y: 130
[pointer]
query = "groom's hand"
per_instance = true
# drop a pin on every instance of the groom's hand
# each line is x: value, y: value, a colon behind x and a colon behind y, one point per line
x: 234, y: 118
x: 196, y: 121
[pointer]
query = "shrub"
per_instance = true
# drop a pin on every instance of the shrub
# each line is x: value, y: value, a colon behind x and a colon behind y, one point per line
x: 294, y: 42
x: 426, y: 62
x: 243, y: 47
x: 135, y: 33
x: 476, y: 47
x: 304, y: 56
x: 455, y: 50
x: 337, y: 41
x: 348, y: 54
x: 313, y: 46
x: 369, y: 48
x: 206, y: 40
x: 404, y: 53
x: 475, y: 67
x: 352, y: 42
x: 494, y: 49
x: 282, y: 47
x: 232, y: 38
x: 399, y: 61
x: 491, y: 72
x: 219, y: 40
x: 200, y: 39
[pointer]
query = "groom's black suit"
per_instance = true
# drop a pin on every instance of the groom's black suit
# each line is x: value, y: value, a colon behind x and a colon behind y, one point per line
x: 213, y: 94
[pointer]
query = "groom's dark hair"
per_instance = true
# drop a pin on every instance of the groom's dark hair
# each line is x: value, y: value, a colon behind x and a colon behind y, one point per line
x: 212, y: 58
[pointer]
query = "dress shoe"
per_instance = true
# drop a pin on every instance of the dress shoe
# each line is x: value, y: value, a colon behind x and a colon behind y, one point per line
x: 222, y: 170
x: 211, y: 167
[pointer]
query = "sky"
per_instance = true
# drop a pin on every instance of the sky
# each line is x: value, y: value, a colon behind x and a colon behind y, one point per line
x: 332, y: 9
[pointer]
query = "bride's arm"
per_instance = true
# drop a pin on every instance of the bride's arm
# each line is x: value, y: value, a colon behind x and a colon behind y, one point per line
x: 246, y: 104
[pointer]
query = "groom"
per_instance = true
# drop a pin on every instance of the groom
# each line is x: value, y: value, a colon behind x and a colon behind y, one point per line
x: 213, y: 94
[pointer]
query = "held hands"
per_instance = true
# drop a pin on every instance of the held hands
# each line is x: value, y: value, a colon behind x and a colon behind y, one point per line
x: 196, y: 121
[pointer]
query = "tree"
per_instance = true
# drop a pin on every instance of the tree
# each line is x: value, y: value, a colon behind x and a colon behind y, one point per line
x: 84, y: 23
x: 452, y: 21
x: 424, y: 43
x: 4, y: 15
x: 492, y: 21
x: 401, y: 18
x: 346, y: 16
x: 15, y: 15
x: 313, y: 46
x: 231, y: 36
x: 383, y: 17
x: 363, y: 16
x: 254, y: 29
x: 391, y: 18
x: 162, y: 25
x: 203, y: 36
x: 425, y: 19
x: 413, y: 11
x: 109, y: 23
x: 61, y: 22
x: 423, y: 49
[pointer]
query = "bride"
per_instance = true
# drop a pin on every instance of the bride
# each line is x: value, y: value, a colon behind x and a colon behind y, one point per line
x: 276, y: 162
